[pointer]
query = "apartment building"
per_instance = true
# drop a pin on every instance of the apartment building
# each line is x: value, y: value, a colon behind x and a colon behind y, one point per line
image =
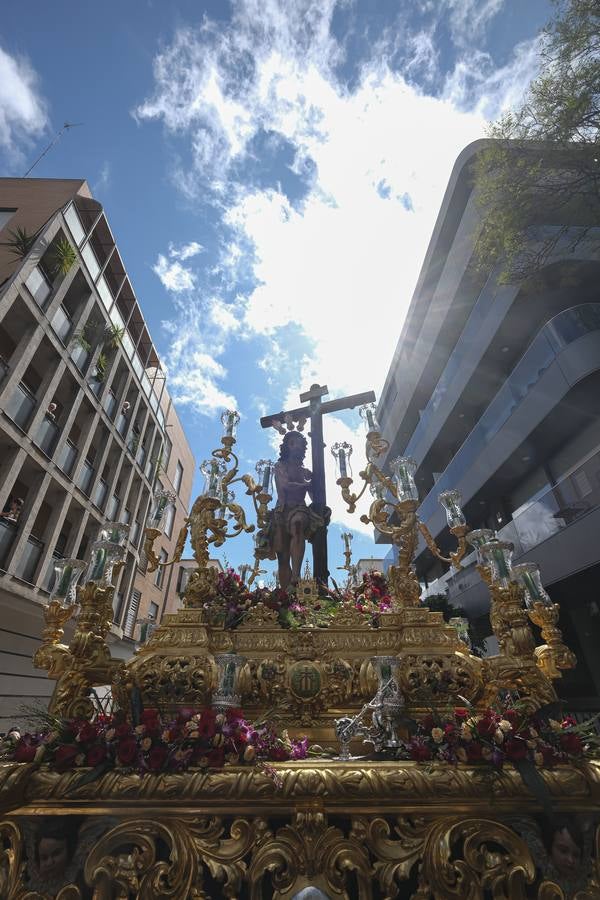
x: 494, y: 389
x: 87, y: 428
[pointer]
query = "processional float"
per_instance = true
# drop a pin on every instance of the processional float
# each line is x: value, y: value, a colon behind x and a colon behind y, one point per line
x: 407, y: 798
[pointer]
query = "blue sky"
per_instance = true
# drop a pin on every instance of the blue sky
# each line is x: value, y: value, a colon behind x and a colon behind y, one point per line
x: 272, y: 172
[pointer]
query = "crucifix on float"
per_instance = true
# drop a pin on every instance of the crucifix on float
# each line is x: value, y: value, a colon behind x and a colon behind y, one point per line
x: 315, y: 411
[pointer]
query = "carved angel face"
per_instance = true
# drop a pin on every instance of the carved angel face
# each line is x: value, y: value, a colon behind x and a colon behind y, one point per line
x: 565, y: 854
x: 53, y: 855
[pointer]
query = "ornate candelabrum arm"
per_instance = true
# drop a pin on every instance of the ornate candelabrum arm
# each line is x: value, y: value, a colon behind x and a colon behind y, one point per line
x: 459, y: 531
x: 150, y: 535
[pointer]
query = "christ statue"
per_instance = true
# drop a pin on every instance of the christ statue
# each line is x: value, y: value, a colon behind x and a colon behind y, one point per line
x: 293, y: 522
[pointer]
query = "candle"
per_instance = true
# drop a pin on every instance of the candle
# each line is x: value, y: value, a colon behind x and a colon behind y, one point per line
x: 266, y: 478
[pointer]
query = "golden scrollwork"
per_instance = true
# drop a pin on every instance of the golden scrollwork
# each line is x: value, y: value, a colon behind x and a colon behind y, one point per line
x: 425, y: 855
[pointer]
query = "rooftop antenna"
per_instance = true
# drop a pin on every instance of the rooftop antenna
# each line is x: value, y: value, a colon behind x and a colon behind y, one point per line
x: 57, y: 137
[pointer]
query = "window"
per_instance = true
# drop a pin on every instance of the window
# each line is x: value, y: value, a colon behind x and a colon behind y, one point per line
x: 160, y: 572
x: 182, y: 579
x: 153, y: 611
x: 178, y: 477
x: 5, y: 216
x: 131, y: 617
x: 166, y: 453
x: 169, y: 519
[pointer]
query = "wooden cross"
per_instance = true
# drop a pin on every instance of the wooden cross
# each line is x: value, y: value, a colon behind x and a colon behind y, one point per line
x: 315, y: 410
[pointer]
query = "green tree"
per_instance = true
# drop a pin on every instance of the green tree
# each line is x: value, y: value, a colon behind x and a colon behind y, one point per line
x: 543, y: 166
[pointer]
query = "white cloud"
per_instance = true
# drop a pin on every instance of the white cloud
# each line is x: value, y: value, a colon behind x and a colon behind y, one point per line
x: 194, y: 373
x: 22, y: 110
x: 103, y: 179
x: 173, y: 275
x: 186, y: 251
x: 341, y: 263
x: 468, y: 19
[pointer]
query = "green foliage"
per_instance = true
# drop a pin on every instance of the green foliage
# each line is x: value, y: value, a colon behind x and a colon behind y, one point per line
x: 113, y: 336
x: 542, y: 166
x: 62, y: 257
x: 80, y: 339
x: 101, y: 364
x: 20, y: 242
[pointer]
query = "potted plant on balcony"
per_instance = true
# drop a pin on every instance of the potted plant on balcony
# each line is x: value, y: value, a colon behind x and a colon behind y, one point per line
x: 21, y: 242
x: 62, y: 256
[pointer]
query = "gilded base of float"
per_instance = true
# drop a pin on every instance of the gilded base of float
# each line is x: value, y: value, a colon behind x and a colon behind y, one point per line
x: 358, y: 829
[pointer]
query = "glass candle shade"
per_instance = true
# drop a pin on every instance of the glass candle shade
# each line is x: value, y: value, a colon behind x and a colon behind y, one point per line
x: 462, y: 629
x: 158, y: 509
x: 105, y: 554
x: 67, y: 573
x: 213, y: 471
x: 114, y: 532
x: 403, y: 470
x: 477, y: 538
x: 228, y: 665
x: 377, y: 489
x: 229, y: 420
x: 498, y: 556
x: 528, y: 575
x: 341, y: 452
x: 264, y: 471
x: 367, y: 414
x: 450, y: 500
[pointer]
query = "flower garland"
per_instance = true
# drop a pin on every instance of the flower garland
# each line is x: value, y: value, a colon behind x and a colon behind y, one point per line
x: 205, y: 739
x: 495, y: 737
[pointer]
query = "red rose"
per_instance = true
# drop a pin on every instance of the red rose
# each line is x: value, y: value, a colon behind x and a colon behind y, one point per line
x: 420, y: 752
x: 25, y: 750
x: 65, y: 756
x: 486, y: 726
x: 87, y: 733
x: 127, y: 751
x: 157, y: 757
x: 571, y: 743
x: 511, y: 715
x: 515, y: 749
x: 96, y: 754
x: 461, y: 713
x: 474, y: 751
x: 216, y: 757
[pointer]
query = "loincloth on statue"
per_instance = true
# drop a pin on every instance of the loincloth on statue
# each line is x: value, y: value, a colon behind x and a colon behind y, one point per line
x: 279, y: 532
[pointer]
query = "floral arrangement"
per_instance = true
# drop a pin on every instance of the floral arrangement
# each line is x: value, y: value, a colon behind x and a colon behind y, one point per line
x: 508, y: 735
x: 205, y: 739
x: 372, y: 595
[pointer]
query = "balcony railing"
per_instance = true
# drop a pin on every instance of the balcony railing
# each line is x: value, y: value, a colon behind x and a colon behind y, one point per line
x: 62, y: 324
x: 554, y: 337
x: 29, y: 559
x: 20, y: 405
x: 109, y: 403
x: 100, y: 493
x: 552, y: 511
x: 135, y: 532
x: 85, y: 477
x: 113, y: 508
x: 8, y: 531
x: 122, y: 424
x: 67, y: 456
x: 38, y: 286
x: 50, y: 578
x: 47, y: 435
x: 80, y: 357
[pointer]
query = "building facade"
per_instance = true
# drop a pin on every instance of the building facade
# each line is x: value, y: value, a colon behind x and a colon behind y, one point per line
x: 494, y: 389
x: 87, y: 427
